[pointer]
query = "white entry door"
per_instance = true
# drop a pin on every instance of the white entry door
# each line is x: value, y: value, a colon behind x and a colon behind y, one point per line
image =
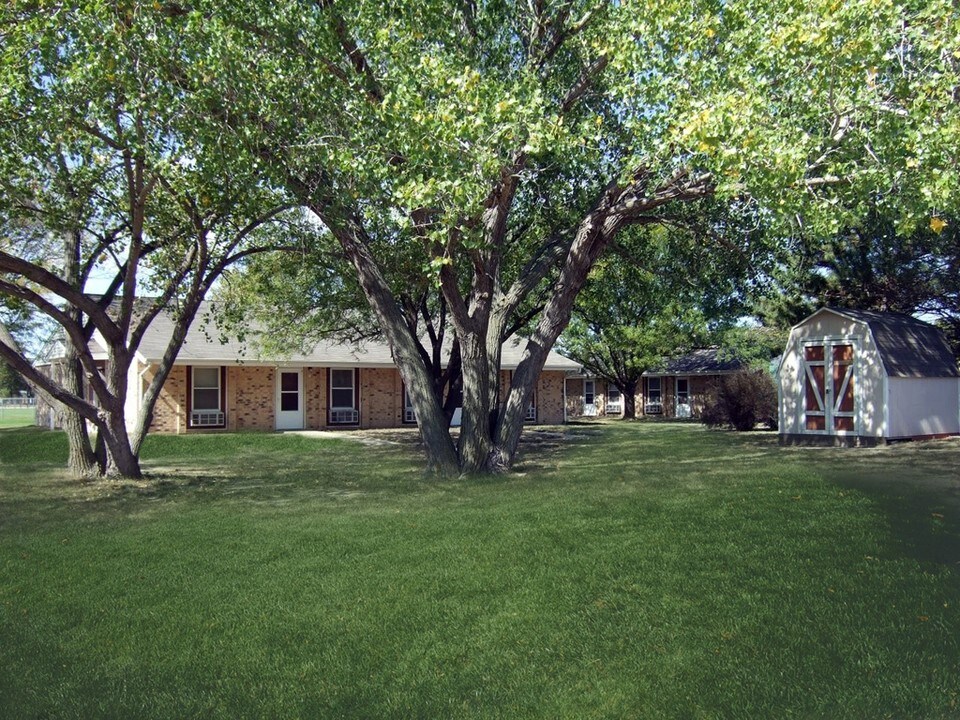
x: 682, y: 409
x: 589, y: 398
x: 290, y: 400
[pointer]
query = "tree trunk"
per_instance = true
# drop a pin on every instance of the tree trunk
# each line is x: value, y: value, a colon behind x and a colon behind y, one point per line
x: 82, y: 461
x: 628, y: 391
x: 416, y: 376
x: 474, y: 443
x: 593, y: 235
x: 122, y: 461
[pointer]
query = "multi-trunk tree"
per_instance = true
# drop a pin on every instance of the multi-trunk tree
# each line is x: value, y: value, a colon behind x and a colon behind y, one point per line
x: 509, y: 144
x: 100, y: 174
x: 504, y: 146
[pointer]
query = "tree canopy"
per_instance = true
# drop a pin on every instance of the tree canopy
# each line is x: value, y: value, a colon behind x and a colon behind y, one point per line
x: 873, y: 265
x: 498, y: 149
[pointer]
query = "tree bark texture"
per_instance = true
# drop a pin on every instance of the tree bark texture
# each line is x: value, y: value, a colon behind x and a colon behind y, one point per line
x: 417, y: 378
x: 81, y: 461
x: 628, y: 391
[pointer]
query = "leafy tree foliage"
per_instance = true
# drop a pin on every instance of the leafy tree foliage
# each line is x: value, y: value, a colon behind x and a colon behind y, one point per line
x: 754, y: 346
x: 101, y: 171
x: 505, y: 146
x: 660, y: 292
x: 17, y: 323
x: 875, y: 265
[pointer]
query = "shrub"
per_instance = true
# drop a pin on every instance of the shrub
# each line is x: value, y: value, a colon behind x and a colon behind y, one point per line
x: 741, y: 401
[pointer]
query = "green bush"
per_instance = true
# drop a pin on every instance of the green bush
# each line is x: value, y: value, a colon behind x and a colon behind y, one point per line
x: 741, y: 401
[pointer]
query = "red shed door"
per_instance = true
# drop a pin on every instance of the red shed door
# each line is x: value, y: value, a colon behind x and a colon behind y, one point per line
x: 829, y: 387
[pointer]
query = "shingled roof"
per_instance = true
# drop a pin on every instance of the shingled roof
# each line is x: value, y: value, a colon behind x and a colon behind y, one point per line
x: 908, y: 347
x: 704, y: 361
x: 204, y: 345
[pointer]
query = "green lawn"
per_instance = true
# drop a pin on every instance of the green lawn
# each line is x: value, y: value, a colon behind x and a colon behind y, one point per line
x: 641, y: 570
x: 11, y: 417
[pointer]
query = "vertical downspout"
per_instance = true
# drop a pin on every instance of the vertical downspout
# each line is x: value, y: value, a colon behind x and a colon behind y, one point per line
x: 564, y: 399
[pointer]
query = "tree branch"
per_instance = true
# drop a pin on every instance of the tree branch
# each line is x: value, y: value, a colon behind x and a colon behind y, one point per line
x: 46, y: 279
x: 583, y: 83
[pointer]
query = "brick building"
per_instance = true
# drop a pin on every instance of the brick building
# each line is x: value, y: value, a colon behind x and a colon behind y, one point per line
x: 677, y: 390
x: 228, y: 386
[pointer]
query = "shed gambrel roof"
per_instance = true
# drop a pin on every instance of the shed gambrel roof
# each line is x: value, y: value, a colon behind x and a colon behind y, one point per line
x: 704, y: 361
x: 908, y: 347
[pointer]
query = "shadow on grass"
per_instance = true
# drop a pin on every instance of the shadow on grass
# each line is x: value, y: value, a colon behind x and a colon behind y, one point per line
x: 915, y: 484
x: 259, y: 469
x: 918, y: 487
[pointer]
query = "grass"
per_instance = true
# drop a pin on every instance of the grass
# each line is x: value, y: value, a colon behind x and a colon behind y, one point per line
x: 11, y: 417
x: 625, y: 570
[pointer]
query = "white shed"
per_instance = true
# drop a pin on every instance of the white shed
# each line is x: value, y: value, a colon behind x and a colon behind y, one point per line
x: 851, y: 377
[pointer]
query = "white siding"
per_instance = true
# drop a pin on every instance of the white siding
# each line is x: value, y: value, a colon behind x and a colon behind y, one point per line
x: 789, y: 385
x: 924, y: 406
x: 869, y: 376
x: 131, y: 408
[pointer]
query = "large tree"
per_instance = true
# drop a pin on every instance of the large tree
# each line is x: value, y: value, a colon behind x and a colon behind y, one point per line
x: 501, y: 141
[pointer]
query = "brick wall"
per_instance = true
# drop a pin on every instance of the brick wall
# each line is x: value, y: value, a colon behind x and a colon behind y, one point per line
x: 699, y: 387
x: 315, y: 402
x: 574, y: 397
x: 550, y: 398
x: 251, y: 398
x: 380, y: 398
x: 170, y: 412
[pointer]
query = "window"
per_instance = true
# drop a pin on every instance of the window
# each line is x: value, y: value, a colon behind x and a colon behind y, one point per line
x: 653, y: 390
x: 206, y: 397
x: 343, y: 405
x: 654, y: 404
x: 589, y: 392
x: 289, y: 392
x: 614, y: 400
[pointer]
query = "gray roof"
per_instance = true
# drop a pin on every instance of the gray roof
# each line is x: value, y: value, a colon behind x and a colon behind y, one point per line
x: 704, y: 361
x: 204, y: 344
x: 908, y: 347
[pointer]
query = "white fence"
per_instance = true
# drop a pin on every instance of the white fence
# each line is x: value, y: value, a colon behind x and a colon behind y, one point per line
x: 18, y: 402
